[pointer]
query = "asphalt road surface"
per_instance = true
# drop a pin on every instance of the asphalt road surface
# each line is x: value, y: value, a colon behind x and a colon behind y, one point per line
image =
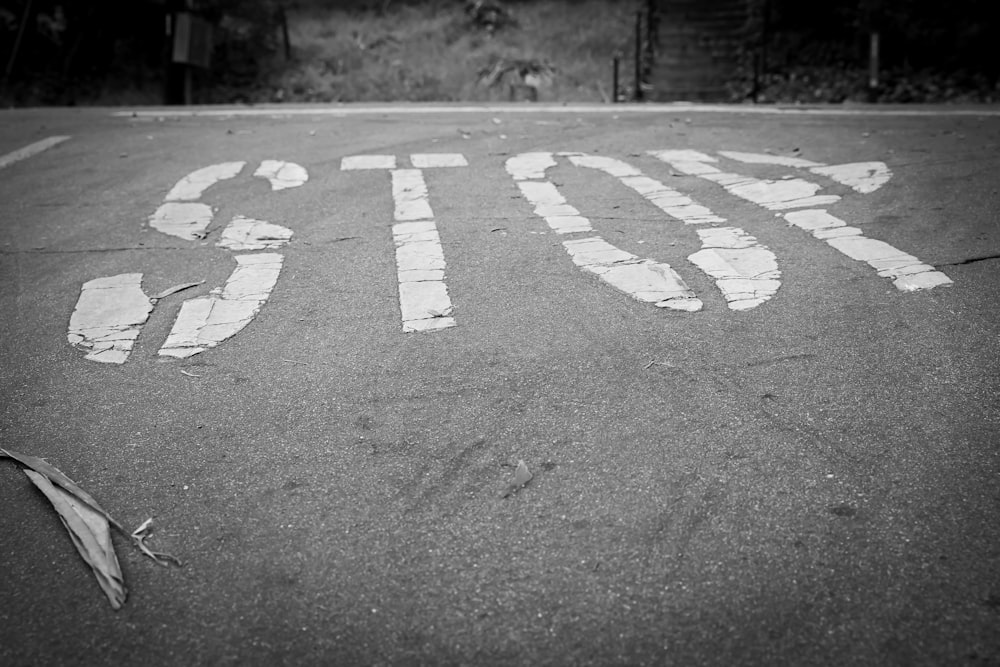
x: 751, y: 361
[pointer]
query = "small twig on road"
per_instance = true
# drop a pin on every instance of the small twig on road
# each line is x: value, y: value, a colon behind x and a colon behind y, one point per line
x: 292, y: 361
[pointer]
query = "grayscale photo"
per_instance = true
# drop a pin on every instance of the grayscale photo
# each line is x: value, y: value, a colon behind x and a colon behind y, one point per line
x: 491, y: 333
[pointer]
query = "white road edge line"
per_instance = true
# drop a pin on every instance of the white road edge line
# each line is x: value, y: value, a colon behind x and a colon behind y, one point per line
x: 607, y: 109
x: 30, y: 149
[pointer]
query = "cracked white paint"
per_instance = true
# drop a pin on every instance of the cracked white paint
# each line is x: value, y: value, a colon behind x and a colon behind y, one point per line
x: 671, y: 202
x: 108, y: 317
x: 642, y: 279
x: 282, y: 175
x: 368, y: 162
x: 552, y: 207
x: 668, y: 200
x: 248, y: 234
x: 424, y: 303
x: 423, y: 296
x: 771, y: 194
x: 185, y: 220
x: 434, y: 160
x: 30, y: 150
x: 193, y: 185
x: 409, y: 193
x: 908, y: 272
x: 863, y: 177
x: 745, y: 272
x: 206, y: 321
x: 612, y: 166
x: 529, y: 166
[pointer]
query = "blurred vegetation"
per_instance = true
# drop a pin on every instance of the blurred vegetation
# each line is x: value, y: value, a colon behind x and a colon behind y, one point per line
x: 115, y: 51
x: 929, y: 51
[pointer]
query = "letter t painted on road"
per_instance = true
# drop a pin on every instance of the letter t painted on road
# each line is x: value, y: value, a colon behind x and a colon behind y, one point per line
x: 423, y: 296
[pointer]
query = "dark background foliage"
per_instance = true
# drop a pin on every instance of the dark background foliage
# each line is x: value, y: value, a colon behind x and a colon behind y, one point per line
x: 115, y: 51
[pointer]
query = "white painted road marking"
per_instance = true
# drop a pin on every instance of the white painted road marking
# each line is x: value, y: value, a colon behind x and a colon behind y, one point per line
x: 111, y: 311
x: 29, y: 150
x: 368, y: 162
x: 552, y: 207
x: 249, y: 234
x: 908, y: 272
x: 431, y: 160
x: 193, y: 185
x: 184, y: 218
x: 642, y: 279
x: 424, y: 303
x: 108, y: 316
x: 206, y: 321
x: 409, y: 194
x: 774, y: 195
x: 745, y: 272
x: 281, y: 174
x: 863, y: 177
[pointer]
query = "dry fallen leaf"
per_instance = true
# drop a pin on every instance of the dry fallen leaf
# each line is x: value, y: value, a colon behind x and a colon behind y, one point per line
x: 91, y: 535
x: 89, y: 525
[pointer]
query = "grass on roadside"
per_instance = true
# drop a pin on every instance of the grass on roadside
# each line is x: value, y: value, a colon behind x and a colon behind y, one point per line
x: 434, y: 52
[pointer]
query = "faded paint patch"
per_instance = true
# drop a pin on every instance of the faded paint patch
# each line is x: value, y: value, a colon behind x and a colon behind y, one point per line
x: 745, y: 272
x: 204, y: 322
x: 30, y: 150
x: 642, y: 279
x: 282, y: 175
x: 368, y: 162
x: 108, y: 317
x: 193, y: 185
x: 908, y: 273
x: 249, y: 234
x: 434, y: 160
